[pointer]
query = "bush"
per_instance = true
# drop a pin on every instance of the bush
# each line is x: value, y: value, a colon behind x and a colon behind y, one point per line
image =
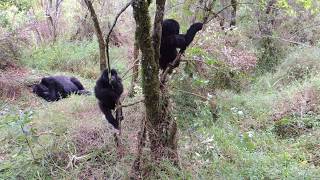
x: 270, y: 53
x: 10, y: 51
x: 299, y: 65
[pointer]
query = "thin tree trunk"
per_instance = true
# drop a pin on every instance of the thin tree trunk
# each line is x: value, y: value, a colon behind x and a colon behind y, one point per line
x: 157, y: 28
x: 233, y: 13
x: 135, y: 69
x: 150, y: 71
x: 99, y: 34
x: 160, y: 125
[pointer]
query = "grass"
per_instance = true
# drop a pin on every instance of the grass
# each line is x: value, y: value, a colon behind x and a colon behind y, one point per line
x: 71, y: 139
x: 247, y: 142
x: 80, y: 58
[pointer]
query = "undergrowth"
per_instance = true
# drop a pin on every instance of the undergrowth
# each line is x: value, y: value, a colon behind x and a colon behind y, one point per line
x: 79, y: 57
x: 268, y: 130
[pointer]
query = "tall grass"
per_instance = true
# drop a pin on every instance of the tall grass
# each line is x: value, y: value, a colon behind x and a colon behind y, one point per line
x: 76, y: 57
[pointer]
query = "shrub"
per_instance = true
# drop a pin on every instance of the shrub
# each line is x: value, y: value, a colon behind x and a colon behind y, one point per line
x: 270, y: 53
x: 299, y: 65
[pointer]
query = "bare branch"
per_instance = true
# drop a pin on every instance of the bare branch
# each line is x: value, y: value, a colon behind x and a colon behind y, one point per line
x: 220, y: 11
x: 111, y: 29
x: 157, y: 28
x: 169, y: 68
x: 130, y: 104
x: 285, y: 40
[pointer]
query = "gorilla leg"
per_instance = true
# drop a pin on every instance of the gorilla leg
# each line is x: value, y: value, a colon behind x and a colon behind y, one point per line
x: 108, y: 114
x: 76, y: 82
x: 80, y: 87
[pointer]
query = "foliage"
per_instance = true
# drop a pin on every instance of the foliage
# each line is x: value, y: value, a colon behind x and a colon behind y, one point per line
x: 76, y: 57
x: 269, y: 54
x: 13, y: 13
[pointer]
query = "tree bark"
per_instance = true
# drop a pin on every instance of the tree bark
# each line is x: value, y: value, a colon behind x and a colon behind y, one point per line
x: 135, y: 69
x: 99, y: 34
x: 150, y: 71
x: 233, y: 13
x: 157, y: 28
x: 160, y: 125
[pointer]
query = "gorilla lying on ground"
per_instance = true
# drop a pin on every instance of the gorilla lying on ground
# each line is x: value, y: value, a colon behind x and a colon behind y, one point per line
x: 108, y: 94
x: 171, y: 40
x: 53, y: 88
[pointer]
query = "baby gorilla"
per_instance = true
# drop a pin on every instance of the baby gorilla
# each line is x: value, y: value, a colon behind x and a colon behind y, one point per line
x: 171, y: 40
x: 54, y: 88
x: 108, y: 94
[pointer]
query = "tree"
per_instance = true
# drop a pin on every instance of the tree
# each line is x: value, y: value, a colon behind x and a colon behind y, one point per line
x: 102, y: 46
x: 52, y: 14
x: 160, y: 127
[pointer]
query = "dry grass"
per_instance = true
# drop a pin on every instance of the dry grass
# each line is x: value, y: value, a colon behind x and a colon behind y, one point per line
x: 11, y: 84
x: 298, y: 104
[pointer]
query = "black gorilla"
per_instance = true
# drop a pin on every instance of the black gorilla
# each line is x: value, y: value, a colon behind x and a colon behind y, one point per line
x: 53, y: 88
x: 108, y: 94
x: 171, y: 40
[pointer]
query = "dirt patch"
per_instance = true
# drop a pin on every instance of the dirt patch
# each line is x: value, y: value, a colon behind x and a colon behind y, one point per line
x: 12, y: 83
x: 89, y: 138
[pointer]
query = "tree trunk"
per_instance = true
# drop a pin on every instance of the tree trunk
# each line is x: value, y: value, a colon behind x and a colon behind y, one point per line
x: 135, y: 69
x: 160, y: 125
x: 157, y: 28
x: 99, y: 34
x: 233, y: 13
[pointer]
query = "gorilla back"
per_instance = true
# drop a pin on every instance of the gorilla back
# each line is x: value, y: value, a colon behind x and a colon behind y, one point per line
x: 53, y: 88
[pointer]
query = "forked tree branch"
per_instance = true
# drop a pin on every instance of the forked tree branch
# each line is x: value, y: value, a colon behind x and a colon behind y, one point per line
x: 170, y: 68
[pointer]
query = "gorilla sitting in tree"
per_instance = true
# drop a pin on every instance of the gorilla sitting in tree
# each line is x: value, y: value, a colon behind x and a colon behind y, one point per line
x: 108, y: 94
x: 53, y: 88
x: 171, y: 40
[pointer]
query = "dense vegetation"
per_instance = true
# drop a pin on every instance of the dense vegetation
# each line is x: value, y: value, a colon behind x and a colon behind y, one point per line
x: 245, y: 98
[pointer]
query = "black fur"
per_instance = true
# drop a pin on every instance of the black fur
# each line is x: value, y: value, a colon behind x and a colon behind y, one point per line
x: 108, y: 93
x: 53, y: 88
x: 171, y: 40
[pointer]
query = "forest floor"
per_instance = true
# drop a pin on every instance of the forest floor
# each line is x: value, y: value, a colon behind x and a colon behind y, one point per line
x: 269, y: 130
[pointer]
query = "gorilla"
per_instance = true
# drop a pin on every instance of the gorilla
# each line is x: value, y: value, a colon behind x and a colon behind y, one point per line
x: 171, y: 40
x: 108, y: 94
x: 54, y: 88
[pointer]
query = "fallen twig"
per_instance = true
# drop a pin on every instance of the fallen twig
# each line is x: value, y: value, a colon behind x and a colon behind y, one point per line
x: 130, y: 104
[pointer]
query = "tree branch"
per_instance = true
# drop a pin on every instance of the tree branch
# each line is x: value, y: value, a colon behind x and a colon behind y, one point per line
x: 169, y: 68
x: 111, y: 29
x: 99, y: 34
x: 157, y: 28
x: 221, y: 10
x: 130, y: 104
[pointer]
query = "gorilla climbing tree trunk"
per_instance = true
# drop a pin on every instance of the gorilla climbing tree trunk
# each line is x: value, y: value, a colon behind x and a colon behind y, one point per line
x: 99, y: 34
x: 160, y: 126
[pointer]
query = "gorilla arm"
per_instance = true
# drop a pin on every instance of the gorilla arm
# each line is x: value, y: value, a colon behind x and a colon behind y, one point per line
x: 192, y: 31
